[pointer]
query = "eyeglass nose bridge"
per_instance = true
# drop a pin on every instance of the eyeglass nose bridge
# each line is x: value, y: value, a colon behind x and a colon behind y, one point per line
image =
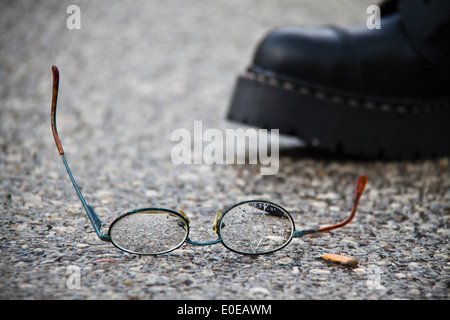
x: 216, y: 221
x: 215, y: 229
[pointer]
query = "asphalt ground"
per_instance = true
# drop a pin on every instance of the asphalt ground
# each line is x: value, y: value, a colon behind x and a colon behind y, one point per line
x: 130, y: 76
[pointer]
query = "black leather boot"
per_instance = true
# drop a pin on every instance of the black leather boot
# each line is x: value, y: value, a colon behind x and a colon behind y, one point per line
x: 378, y: 93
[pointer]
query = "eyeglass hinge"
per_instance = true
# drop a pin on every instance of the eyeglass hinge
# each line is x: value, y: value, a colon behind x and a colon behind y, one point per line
x: 301, y: 233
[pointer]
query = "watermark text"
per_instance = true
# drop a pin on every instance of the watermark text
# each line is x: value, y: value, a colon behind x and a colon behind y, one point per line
x: 234, y: 146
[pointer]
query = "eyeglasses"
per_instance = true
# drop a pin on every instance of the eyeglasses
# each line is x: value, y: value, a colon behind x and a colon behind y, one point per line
x: 250, y: 227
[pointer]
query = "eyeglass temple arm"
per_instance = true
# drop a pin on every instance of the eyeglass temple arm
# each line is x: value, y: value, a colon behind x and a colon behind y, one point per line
x: 361, y: 183
x: 97, y: 224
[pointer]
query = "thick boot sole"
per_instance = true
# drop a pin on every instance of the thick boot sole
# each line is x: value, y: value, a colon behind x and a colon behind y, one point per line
x: 344, y: 125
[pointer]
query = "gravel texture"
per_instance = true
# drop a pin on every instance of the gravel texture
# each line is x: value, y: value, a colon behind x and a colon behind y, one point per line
x: 135, y: 72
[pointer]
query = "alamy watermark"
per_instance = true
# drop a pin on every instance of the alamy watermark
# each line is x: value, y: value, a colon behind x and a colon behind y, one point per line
x: 234, y: 146
x: 74, y: 20
x: 73, y: 281
x: 374, y: 20
x: 374, y: 280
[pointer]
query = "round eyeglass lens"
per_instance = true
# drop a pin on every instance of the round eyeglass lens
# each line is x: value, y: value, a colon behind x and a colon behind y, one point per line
x: 149, y: 231
x: 256, y: 227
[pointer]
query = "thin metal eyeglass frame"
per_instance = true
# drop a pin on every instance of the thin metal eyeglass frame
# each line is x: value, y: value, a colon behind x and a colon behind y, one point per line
x: 360, y: 185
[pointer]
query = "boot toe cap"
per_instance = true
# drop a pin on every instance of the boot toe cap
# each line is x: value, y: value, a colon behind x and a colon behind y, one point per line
x: 315, y: 55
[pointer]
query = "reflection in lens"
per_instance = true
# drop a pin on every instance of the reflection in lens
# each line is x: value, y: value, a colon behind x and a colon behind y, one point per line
x: 256, y: 227
x: 151, y: 231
